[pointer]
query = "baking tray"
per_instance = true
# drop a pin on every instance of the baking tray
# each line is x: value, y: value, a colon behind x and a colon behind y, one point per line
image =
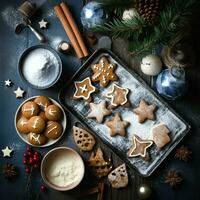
x: 138, y: 90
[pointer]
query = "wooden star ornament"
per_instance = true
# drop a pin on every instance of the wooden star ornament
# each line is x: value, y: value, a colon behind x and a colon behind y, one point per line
x: 19, y: 92
x: 145, y: 111
x: 117, y: 126
x: 104, y: 72
x: 7, y: 152
x: 84, y: 89
x: 118, y: 95
x: 139, y: 147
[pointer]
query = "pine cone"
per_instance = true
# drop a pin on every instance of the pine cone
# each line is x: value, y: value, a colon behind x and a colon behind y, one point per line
x: 148, y: 9
x: 9, y: 171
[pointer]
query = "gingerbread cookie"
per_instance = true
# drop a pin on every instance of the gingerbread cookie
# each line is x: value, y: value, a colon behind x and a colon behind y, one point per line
x: 99, y: 166
x: 22, y: 125
x: 98, y: 111
x: 139, y: 147
x: 53, y: 113
x: 36, y: 139
x: 145, y: 111
x: 118, y: 178
x: 53, y: 130
x: 43, y: 102
x: 30, y: 109
x: 83, y: 139
x: 117, y: 126
x: 160, y: 135
x: 84, y: 89
x: 36, y: 124
x: 104, y: 72
x: 118, y: 95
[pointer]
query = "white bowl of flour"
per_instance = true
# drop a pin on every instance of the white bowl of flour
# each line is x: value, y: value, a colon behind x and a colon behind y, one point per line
x: 40, y: 66
x: 62, y: 168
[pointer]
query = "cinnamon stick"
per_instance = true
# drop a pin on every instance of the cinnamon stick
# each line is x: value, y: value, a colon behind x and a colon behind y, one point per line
x: 74, y: 27
x: 68, y: 30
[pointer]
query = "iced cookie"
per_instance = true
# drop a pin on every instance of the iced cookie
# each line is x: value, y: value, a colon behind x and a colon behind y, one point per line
x: 36, y: 139
x: 22, y: 125
x: 98, y: 111
x: 83, y: 139
x: 53, y: 130
x: 145, y: 111
x: 117, y: 125
x: 139, y: 147
x: 53, y: 113
x: 118, y: 178
x: 160, y: 135
x: 30, y: 109
x: 43, y: 102
x: 118, y: 95
x: 36, y: 124
x: 104, y: 72
x: 84, y: 89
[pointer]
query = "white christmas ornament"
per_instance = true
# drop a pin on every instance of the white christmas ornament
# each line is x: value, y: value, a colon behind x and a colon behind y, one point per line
x: 151, y: 65
x: 129, y: 14
x: 6, y: 152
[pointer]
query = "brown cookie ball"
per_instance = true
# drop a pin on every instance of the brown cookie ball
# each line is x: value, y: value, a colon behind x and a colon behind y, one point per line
x: 42, y: 114
x: 30, y: 109
x: 22, y: 125
x: 36, y: 124
x: 53, y: 113
x: 43, y: 102
x: 53, y: 130
x: 36, y: 139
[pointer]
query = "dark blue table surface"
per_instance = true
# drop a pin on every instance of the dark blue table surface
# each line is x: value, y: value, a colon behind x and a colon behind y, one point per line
x: 11, y: 47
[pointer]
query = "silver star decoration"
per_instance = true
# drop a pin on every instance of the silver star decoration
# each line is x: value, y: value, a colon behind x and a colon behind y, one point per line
x: 8, y: 82
x: 43, y: 23
x: 19, y: 92
x: 7, y: 152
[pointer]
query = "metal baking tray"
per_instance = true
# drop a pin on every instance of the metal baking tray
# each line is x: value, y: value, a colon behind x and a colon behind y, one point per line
x: 138, y: 90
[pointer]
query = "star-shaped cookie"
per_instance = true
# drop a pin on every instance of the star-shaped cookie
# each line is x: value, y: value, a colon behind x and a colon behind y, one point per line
x: 104, y: 72
x: 98, y: 111
x: 118, y: 95
x: 19, y: 92
x: 139, y: 147
x: 145, y: 111
x: 84, y: 89
x: 117, y: 126
x: 160, y: 135
x: 7, y: 152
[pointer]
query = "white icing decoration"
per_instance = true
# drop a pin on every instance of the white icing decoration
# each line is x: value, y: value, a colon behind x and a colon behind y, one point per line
x: 83, y: 89
x: 35, y: 123
x: 51, y: 112
x: 32, y: 109
x: 35, y: 137
x: 52, y: 129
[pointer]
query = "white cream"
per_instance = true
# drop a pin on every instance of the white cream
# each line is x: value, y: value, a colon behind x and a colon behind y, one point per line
x: 63, y: 169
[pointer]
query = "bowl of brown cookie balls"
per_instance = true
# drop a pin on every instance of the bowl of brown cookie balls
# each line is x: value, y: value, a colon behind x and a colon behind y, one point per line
x: 40, y: 121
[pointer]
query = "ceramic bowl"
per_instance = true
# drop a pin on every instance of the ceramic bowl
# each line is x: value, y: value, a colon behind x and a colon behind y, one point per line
x: 54, y: 172
x: 18, y: 115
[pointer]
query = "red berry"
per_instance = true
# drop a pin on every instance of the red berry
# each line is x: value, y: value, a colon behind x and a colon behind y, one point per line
x: 30, y: 153
x: 30, y: 161
x: 36, y: 153
x: 36, y: 166
x: 27, y: 170
x: 36, y: 158
x: 24, y: 161
x: 42, y: 188
x: 25, y: 155
x: 28, y: 149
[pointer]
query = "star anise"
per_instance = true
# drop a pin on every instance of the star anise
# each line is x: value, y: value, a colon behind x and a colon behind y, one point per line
x: 9, y: 171
x: 183, y: 153
x: 173, y: 178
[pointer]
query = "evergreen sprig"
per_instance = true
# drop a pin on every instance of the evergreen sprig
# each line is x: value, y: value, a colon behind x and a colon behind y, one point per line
x: 172, y: 21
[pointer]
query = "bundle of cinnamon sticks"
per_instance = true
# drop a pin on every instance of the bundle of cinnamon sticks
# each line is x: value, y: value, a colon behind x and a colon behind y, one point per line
x: 70, y: 27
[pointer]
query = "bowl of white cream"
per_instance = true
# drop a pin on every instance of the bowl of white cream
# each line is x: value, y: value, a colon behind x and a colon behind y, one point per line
x: 40, y: 66
x: 62, y: 168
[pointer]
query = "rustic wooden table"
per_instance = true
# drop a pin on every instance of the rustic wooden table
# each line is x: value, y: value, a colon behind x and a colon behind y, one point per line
x: 11, y: 47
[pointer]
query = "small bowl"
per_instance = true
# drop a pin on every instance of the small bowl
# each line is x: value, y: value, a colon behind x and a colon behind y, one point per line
x: 18, y: 114
x: 61, y: 157
x: 23, y: 56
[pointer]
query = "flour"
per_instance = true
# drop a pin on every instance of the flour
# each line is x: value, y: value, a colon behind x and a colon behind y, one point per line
x: 40, y: 67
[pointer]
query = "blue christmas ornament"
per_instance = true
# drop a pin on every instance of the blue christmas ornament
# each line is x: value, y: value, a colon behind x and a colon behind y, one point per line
x: 93, y: 14
x: 171, y: 83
